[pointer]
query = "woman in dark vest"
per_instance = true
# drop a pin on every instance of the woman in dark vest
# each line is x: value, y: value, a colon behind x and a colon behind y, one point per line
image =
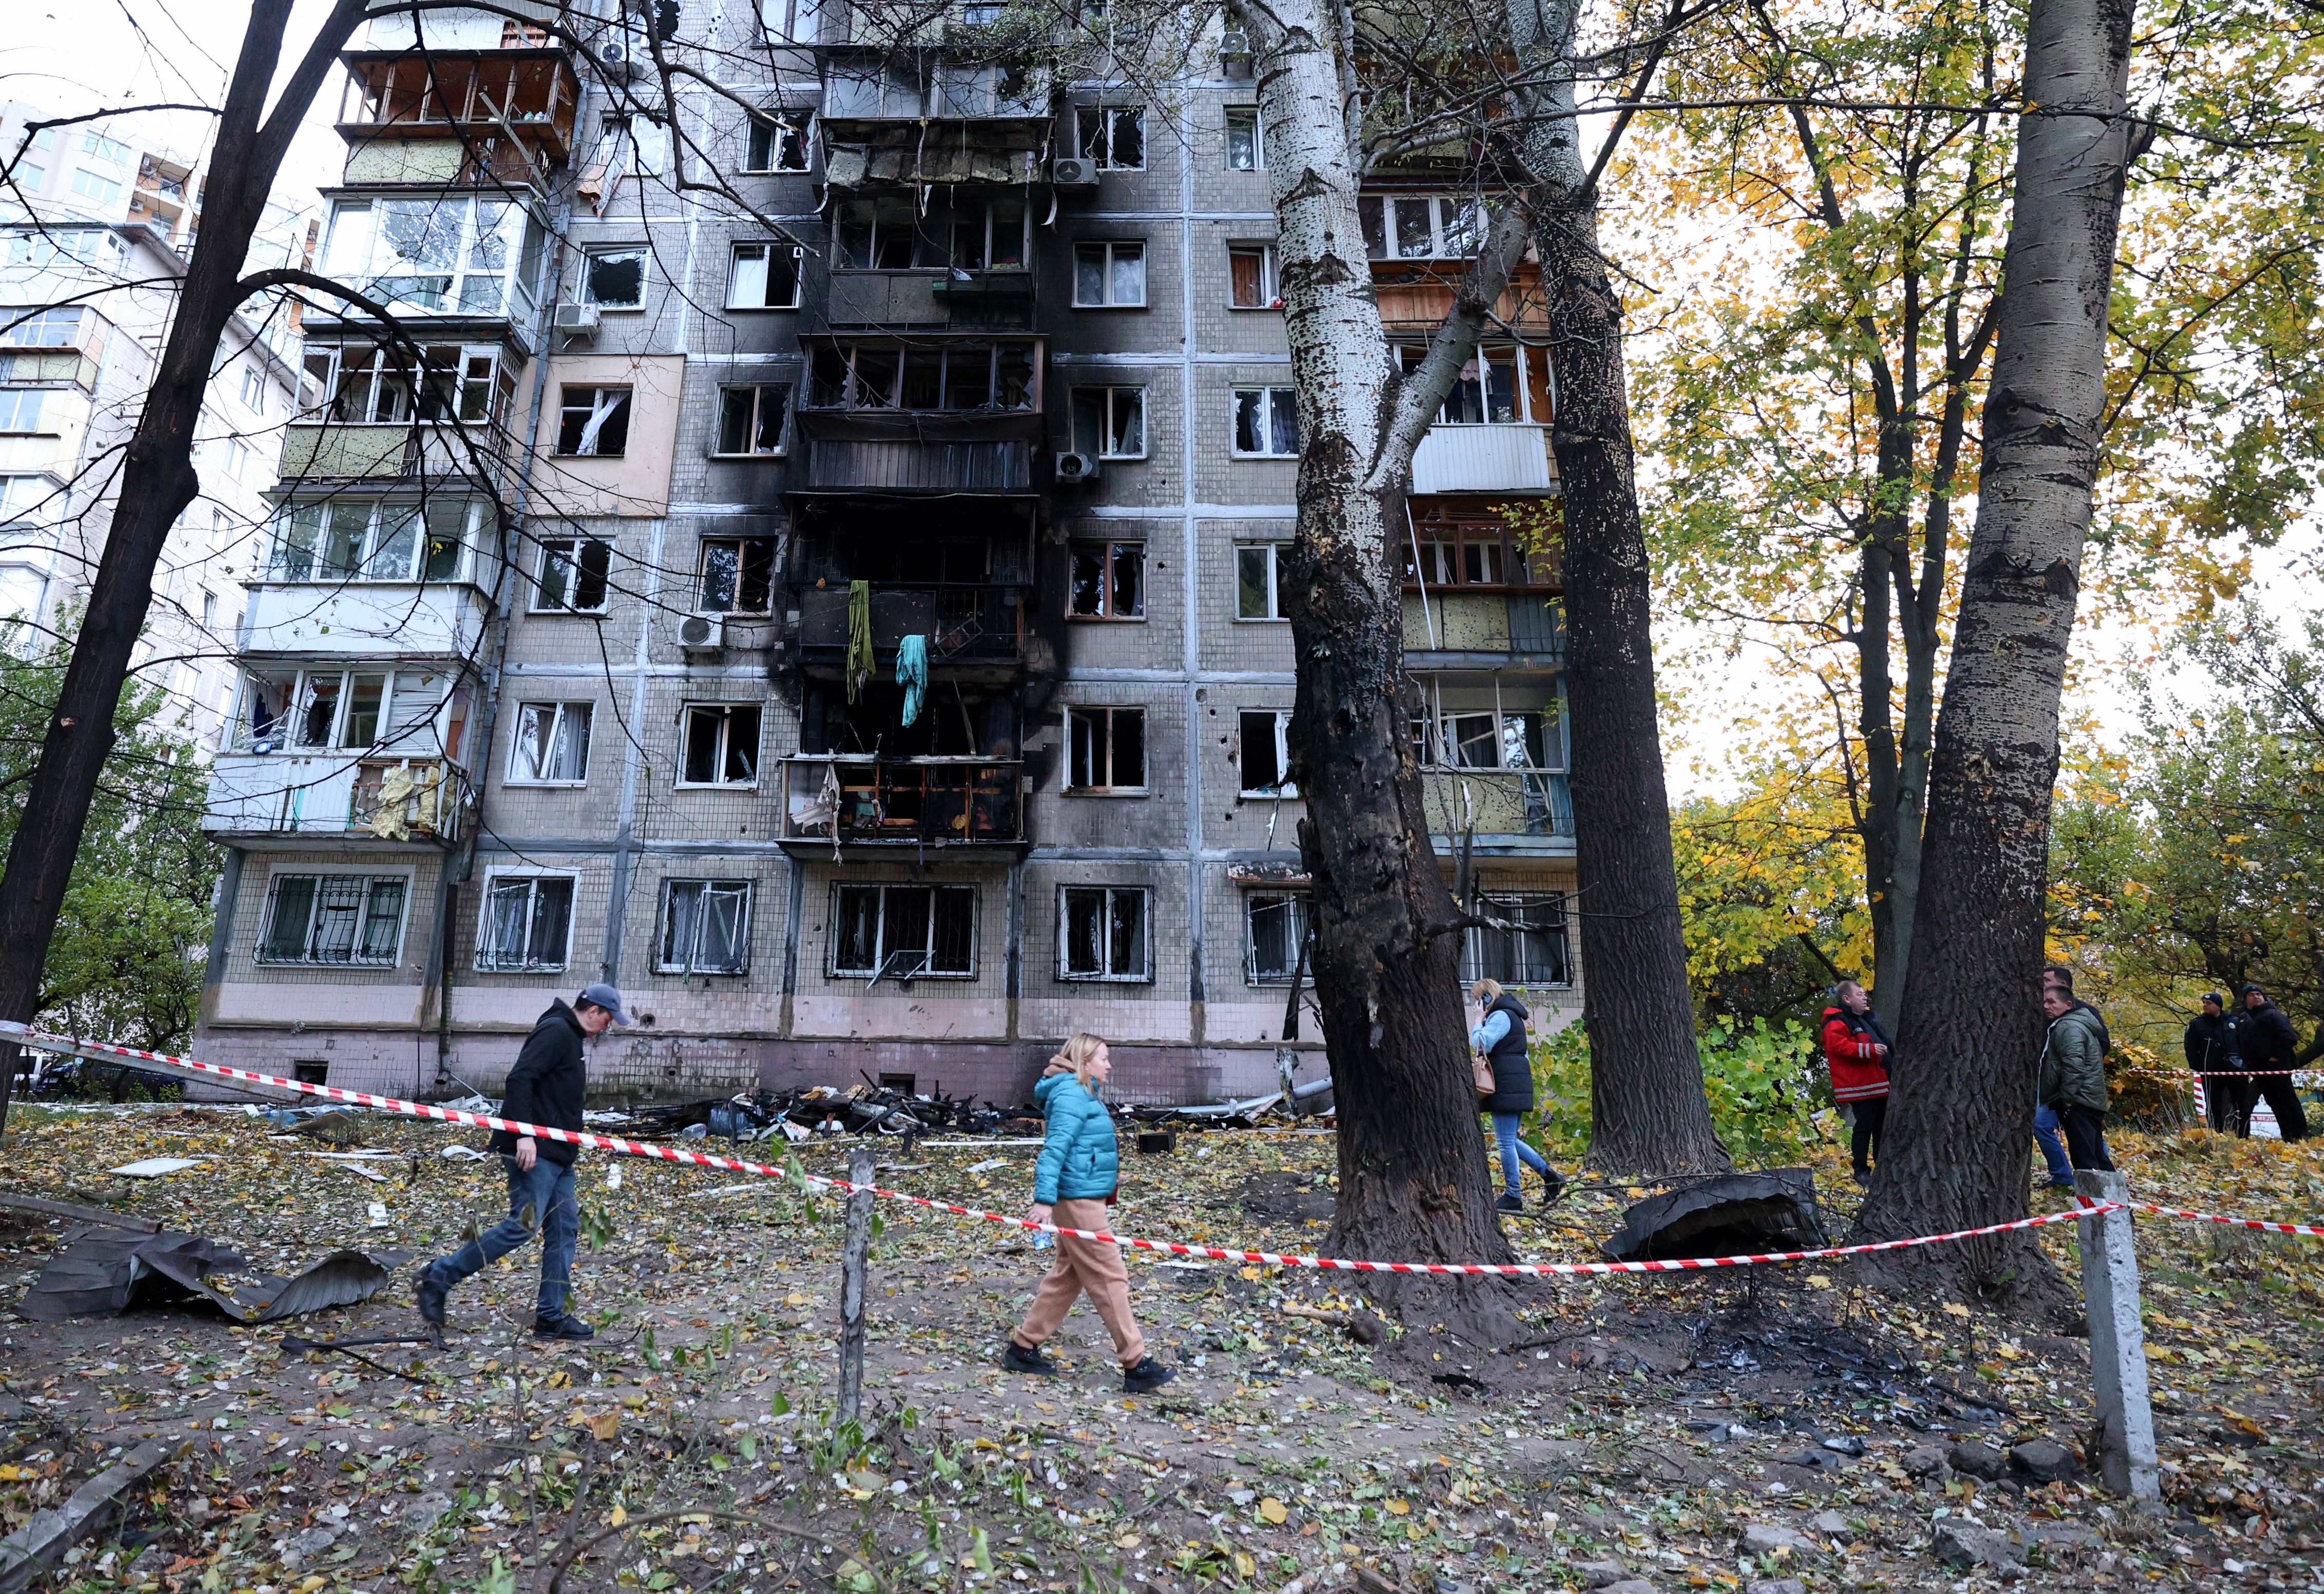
x: 1500, y: 1036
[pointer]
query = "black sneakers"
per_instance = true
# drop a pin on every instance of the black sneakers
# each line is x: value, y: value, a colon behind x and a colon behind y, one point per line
x: 563, y: 1326
x: 1145, y: 1377
x: 430, y: 1296
x: 1016, y: 1358
x: 1511, y: 1202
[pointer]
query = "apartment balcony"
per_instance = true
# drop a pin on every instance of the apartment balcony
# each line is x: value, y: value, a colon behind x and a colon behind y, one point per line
x: 341, y: 451
x: 1507, y: 457
x: 264, y: 801
x: 998, y: 301
x: 906, y: 452
x: 464, y: 97
x: 965, y: 625
x: 1516, y: 813
x: 1448, y: 629
x: 330, y: 619
x: 880, y: 807
x: 893, y: 119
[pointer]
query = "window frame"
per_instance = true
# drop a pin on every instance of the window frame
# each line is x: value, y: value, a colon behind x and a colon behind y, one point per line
x: 20, y: 411
x: 1145, y: 750
x: 1110, y: 550
x: 1273, y: 551
x: 289, y: 734
x: 886, y: 954
x: 1439, y: 204
x: 1101, y: 143
x: 723, y: 752
x: 1271, y: 398
x: 84, y: 180
x: 562, y: 716
x: 1250, y: 113
x: 388, y: 391
x: 1111, y: 251
x: 1300, y: 903
x: 1108, y: 397
x: 1144, y: 894
x: 1507, y: 905
x: 766, y: 250
x: 747, y: 889
x: 786, y: 129
x: 372, y: 877
x: 281, y: 566
x: 847, y: 355
x: 1285, y: 789
x: 626, y: 410
x: 592, y: 252
x: 1271, y: 283
x: 754, y: 425
x: 573, y: 550
x: 702, y: 576
x: 486, y: 919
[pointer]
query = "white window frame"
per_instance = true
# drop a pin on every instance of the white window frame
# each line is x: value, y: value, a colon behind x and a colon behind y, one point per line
x: 792, y: 22
x: 389, y: 276
x: 887, y: 955
x: 1270, y: 284
x: 290, y: 729
x: 725, y: 748
x: 762, y: 254
x: 1112, y: 548
x: 691, y: 963
x: 568, y: 549
x: 1442, y: 741
x: 1441, y: 208
x: 1302, y: 904
x: 785, y: 128
x: 52, y: 326
x: 1145, y: 750
x: 20, y: 411
x: 1249, y: 114
x: 1289, y: 789
x: 485, y: 919
x: 1109, y: 252
x: 562, y: 715
x: 588, y: 444
x: 110, y: 150
x: 379, y: 523
x: 758, y: 391
x: 702, y: 575
x: 1110, y: 400
x: 1273, y: 552
x: 596, y: 252
x: 382, y: 384
x: 1270, y: 399
x: 253, y: 391
x: 370, y: 875
x: 1144, y: 973
x: 1104, y: 146
x: 95, y: 186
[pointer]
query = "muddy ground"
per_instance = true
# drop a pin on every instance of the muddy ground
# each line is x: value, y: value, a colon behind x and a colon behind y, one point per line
x: 1712, y: 1431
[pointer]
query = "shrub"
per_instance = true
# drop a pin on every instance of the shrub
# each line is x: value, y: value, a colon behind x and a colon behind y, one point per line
x: 1765, y: 1082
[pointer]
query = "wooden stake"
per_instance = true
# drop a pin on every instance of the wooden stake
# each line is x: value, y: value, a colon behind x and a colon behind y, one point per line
x: 854, y: 1277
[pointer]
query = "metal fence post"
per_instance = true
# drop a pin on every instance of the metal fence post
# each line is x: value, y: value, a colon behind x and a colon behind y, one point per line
x: 854, y: 1270
x: 2126, y: 1434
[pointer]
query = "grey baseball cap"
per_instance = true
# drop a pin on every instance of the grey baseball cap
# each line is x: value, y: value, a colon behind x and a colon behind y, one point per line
x: 602, y: 995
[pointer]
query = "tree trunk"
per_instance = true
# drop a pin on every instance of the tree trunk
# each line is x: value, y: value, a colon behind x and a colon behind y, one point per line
x: 1648, y: 1113
x: 1413, y: 1178
x: 157, y: 482
x: 1956, y: 1153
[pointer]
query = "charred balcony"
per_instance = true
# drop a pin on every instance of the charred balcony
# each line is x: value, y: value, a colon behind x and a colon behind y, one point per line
x: 964, y: 593
x: 906, y: 417
x: 910, y: 118
x: 527, y: 95
x: 891, y: 770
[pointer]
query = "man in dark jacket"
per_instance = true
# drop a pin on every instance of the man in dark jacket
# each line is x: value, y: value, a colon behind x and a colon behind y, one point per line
x: 2265, y: 1041
x: 2227, y: 1094
x: 1500, y: 1036
x: 2073, y: 1083
x: 544, y: 1089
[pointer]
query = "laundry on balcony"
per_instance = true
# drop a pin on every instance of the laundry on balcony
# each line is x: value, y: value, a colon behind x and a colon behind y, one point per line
x: 860, y: 664
x: 912, y: 673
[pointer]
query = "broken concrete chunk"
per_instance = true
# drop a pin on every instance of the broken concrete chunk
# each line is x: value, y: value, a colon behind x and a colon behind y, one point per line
x: 1925, y: 1461
x: 1772, y: 1538
x: 1599, y: 1574
x: 1843, y: 1444
x: 1832, y: 1524
x: 1629, y: 1586
x: 2072, y: 1535
x: 1775, y: 1586
x: 1965, y: 1544
x: 1978, y: 1460
x: 2045, y: 1459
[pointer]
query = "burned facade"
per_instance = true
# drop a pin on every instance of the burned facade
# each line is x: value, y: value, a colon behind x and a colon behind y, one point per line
x: 843, y: 611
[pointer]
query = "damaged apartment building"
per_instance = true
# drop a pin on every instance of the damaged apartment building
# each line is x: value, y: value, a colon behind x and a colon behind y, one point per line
x: 843, y: 611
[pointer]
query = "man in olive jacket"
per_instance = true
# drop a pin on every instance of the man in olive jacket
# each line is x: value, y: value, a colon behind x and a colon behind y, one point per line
x: 2074, y: 1077
x: 544, y: 1088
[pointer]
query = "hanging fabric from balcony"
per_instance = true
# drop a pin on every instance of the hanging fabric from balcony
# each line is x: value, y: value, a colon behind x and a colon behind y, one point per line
x: 912, y: 672
x: 860, y: 664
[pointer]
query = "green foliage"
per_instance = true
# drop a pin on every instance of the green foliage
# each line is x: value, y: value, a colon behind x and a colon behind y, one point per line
x: 1766, y: 1084
x: 126, y: 959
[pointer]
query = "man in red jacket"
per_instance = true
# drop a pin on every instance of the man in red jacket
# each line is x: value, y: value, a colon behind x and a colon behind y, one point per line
x: 1856, y: 1048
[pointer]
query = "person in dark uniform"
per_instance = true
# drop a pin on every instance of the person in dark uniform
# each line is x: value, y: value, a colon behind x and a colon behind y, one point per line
x: 2269, y: 1049
x: 2227, y: 1092
x: 1500, y: 1036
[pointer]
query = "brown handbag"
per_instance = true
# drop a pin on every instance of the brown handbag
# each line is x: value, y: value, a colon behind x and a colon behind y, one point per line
x: 1482, y: 1075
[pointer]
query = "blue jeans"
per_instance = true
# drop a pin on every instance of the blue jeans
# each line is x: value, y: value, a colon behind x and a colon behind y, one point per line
x: 543, y: 1200
x: 1505, y: 1130
x: 2053, y: 1148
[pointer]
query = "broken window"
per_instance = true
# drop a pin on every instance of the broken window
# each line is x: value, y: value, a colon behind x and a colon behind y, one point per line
x: 763, y: 276
x: 705, y: 927
x: 527, y: 923
x: 345, y: 920
x: 594, y: 421
x: 614, y: 278
x: 1266, y: 422
x: 751, y: 419
x: 904, y: 931
x: 572, y: 577
x: 1275, y: 925
x: 1109, y: 422
x: 1104, y: 934
x: 1109, y: 581
x: 776, y: 143
x: 738, y: 575
x: 1109, y: 275
x: 1534, y: 951
x: 552, y: 745
x: 1246, y: 148
x: 1114, y: 136
x: 722, y: 744
x: 1258, y: 580
x: 1266, y: 753
x: 1108, y: 749
x: 1250, y: 277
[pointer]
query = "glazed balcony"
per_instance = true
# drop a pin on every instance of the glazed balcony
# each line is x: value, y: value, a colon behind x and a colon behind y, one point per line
x: 262, y: 799
x: 1503, y: 457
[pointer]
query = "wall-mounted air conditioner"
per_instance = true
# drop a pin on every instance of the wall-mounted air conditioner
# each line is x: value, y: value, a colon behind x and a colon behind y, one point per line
x: 1235, y: 52
x: 575, y: 321
x: 1073, y: 470
x: 1072, y: 171
x: 702, y: 634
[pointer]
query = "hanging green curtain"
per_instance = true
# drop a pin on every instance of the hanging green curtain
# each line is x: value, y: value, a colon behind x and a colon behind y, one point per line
x: 859, y: 636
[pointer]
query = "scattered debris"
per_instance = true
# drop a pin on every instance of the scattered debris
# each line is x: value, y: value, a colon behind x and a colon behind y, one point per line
x: 158, y: 1167
x: 1362, y: 1327
x: 1735, y: 1214
x: 43, y: 1542
x: 102, y: 1272
x: 42, y: 1207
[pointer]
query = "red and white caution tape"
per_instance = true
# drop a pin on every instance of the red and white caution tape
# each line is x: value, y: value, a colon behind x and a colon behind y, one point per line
x: 2306, y: 1228
x: 103, y: 1050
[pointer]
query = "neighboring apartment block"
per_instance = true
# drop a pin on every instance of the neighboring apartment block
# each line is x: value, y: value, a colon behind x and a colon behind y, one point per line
x: 845, y: 613
x: 84, y: 311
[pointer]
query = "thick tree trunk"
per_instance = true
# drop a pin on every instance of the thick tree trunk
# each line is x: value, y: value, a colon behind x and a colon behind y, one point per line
x: 157, y: 482
x: 1956, y: 1153
x: 1648, y: 1112
x: 1413, y: 1178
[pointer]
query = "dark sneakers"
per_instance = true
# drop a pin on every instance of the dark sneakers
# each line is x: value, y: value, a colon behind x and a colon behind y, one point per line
x: 1016, y: 1358
x: 563, y: 1326
x: 1145, y: 1377
x: 1555, y: 1183
x: 431, y: 1296
x: 1511, y: 1202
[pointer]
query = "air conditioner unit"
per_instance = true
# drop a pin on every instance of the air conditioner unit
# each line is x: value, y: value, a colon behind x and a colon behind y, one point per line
x: 620, y: 62
x: 1076, y: 469
x: 702, y: 634
x: 575, y: 321
x: 1235, y: 52
x: 1072, y: 171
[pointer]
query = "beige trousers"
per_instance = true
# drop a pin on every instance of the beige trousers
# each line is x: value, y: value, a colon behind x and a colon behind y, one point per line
x: 1094, y: 1266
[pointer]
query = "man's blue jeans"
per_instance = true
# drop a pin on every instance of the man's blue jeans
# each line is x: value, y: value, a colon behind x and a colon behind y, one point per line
x: 543, y: 1200
x: 2054, y: 1146
x: 1505, y: 1130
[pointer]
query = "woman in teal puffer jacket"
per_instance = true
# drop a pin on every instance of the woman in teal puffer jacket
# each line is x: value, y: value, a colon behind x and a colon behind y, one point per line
x: 1074, y: 1184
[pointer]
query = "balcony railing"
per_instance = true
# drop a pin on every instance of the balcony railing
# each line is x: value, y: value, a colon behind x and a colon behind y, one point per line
x: 961, y: 623
x: 902, y: 802
x: 1501, y: 803
x: 338, y: 451
x: 1507, y: 457
x: 258, y: 795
